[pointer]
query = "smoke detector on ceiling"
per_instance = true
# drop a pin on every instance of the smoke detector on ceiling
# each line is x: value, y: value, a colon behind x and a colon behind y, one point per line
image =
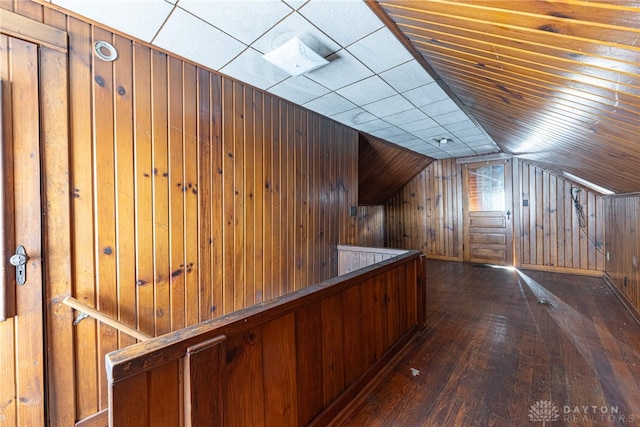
x: 295, y: 58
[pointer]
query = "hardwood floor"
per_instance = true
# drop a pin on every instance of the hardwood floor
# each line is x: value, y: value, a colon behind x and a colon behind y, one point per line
x: 511, y: 349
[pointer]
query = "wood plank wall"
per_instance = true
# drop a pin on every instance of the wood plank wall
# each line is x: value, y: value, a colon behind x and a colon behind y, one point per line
x: 550, y: 232
x: 427, y: 215
x: 623, y: 245
x: 191, y: 196
x: 371, y: 226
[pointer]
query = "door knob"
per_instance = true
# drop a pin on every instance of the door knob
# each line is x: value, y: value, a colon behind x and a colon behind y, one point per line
x: 508, y: 214
x: 19, y: 261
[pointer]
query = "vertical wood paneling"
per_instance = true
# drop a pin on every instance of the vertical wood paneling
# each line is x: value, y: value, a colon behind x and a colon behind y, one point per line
x: 191, y: 196
x: 371, y: 226
x: 623, y: 245
x: 425, y: 214
x: 549, y: 233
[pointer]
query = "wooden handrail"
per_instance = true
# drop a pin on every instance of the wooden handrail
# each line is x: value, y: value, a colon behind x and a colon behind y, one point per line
x: 107, y: 320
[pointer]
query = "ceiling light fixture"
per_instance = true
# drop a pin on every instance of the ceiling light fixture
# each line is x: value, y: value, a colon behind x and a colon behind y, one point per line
x: 441, y: 141
x: 295, y: 57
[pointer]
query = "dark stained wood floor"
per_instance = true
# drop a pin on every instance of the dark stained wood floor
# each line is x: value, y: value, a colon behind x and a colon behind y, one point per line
x: 505, y: 349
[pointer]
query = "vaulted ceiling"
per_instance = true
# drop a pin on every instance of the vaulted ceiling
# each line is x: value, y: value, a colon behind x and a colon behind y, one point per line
x: 555, y: 82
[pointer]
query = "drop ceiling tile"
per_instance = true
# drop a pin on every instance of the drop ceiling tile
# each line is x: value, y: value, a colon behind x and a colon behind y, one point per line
x: 388, y: 132
x: 295, y: 25
x: 373, y: 126
x: 419, y: 125
x: 407, y: 76
x: 403, y: 138
x: 440, y: 107
x: 245, y: 20
x: 346, y: 21
x: 180, y: 31
x: 295, y: 4
x: 470, y: 132
x: 435, y: 132
x: 388, y: 106
x: 408, y: 116
x: 425, y: 95
x: 354, y: 117
x: 460, y: 126
x: 330, y: 104
x: 366, y: 91
x: 250, y: 67
x: 343, y: 69
x: 380, y: 51
x: 298, y: 90
x: 141, y: 19
x: 449, y: 118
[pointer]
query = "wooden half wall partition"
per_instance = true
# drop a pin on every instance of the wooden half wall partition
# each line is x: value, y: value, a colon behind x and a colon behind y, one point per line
x: 296, y: 360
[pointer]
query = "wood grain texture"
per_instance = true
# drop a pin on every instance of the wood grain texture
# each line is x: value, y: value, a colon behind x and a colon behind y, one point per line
x: 536, y: 77
x: 623, y: 247
x: 427, y: 214
x: 491, y: 334
x: 290, y: 361
x: 190, y: 195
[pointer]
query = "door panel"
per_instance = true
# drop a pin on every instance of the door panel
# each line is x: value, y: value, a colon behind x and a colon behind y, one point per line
x: 487, y: 212
x: 21, y: 335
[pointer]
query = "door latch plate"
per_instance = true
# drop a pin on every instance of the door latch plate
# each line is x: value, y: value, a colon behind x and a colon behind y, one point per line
x: 19, y: 261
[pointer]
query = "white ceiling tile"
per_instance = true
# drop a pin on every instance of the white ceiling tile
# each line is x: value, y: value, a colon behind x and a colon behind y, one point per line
x: 343, y: 69
x: 298, y: 89
x: 330, y: 104
x: 182, y: 29
x: 468, y: 133
x: 380, y: 51
x: 388, y: 106
x: 354, y: 117
x: 407, y: 117
x: 407, y: 76
x: 368, y: 90
x: 419, y: 125
x: 460, y: 126
x: 440, y: 107
x: 295, y: 4
x: 435, y: 132
x: 373, y: 125
x: 141, y: 19
x: 425, y: 95
x: 403, y: 138
x: 295, y: 25
x: 250, y: 67
x: 449, y: 118
x: 388, y: 132
x: 345, y: 21
x: 245, y: 20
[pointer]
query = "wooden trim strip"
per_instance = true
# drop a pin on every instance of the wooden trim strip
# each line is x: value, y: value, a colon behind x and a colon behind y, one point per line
x: 99, y: 419
x: 3, y: 241
x: 24, y: 28
x: 107, y: 320
x: 553, y: 269
x: 624, y: 299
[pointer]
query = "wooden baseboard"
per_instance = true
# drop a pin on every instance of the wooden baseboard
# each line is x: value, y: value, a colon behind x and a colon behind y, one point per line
x: 554, y: 269
x: 631, y: 308
x: 342, y: 401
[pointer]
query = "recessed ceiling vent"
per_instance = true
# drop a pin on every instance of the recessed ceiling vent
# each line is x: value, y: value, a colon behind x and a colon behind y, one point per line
x: 295, y: 58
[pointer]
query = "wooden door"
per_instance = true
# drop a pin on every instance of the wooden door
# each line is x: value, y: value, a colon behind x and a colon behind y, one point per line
x: 488, y: 212
x: 22, y: 399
